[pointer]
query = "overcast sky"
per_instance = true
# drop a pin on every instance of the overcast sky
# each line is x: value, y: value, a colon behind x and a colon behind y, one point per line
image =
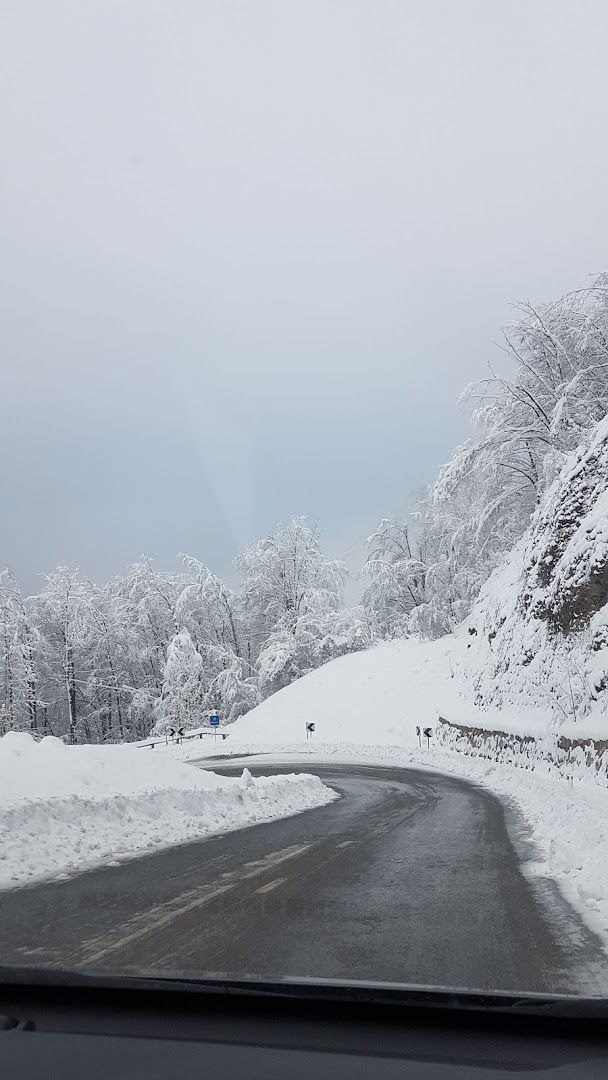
x: 252, y: 251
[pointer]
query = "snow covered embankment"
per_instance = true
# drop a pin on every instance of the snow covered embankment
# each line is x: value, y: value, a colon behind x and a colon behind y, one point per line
x: 64, y: 809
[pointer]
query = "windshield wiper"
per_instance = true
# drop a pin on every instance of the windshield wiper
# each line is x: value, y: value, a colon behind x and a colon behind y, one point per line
x: 395, y: 995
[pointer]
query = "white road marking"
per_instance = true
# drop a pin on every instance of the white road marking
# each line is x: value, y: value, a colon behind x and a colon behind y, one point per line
x: 346, y: 843
x: 162, y: 915
x: 271, y: 885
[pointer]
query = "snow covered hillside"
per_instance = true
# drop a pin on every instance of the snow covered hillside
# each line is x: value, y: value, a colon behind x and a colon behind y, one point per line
x: 530, y: 660
x: 64, y: 808
x: 376, y: 696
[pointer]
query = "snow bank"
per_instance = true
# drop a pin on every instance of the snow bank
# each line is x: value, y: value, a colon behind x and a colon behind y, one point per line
x: 67, y: 808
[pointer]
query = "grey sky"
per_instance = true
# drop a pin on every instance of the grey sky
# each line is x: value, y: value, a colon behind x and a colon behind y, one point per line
x: 252, y: 251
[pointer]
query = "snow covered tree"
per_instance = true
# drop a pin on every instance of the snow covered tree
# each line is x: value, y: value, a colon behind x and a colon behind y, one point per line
x: 234, y: 689
x: 104, y: 663
x: 484, y: 497
x: 61, y: 613
x: 150, y: 607
x: 109, y: 687
x: 182, y: 699
x: 527, y: 422
x: 137, y: 619
x: 317, y: 638
x: 208, y: 608
x: 287, y: 576
x: 397, y: 577
x: 18, y: 639
x: 292, y: 596
x: 213, y: 616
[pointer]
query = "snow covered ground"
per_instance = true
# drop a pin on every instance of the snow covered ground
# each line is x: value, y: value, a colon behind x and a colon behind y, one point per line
x: 375, y: 696
x: 64, y: 808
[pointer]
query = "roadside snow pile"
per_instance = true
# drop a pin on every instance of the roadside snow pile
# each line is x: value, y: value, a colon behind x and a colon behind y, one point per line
x: 67, y: 808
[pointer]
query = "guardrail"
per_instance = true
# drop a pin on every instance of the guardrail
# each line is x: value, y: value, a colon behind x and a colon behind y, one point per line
x: 166, y: 740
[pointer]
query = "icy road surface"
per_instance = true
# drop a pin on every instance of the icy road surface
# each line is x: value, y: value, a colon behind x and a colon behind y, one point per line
x: 410, y: 877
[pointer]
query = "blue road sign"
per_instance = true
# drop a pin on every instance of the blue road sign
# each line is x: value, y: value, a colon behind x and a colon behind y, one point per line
x: 214, y: 721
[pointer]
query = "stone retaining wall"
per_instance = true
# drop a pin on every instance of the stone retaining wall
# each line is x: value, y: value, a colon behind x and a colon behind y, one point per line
x: 584, y: 759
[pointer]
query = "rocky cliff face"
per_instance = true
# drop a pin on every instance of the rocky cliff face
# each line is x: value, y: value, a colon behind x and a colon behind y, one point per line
x: 542, y: 619
x: 566, y: 564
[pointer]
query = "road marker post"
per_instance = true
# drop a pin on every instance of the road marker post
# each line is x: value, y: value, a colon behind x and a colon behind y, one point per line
x: 428, y: 733
x: 310, y: 727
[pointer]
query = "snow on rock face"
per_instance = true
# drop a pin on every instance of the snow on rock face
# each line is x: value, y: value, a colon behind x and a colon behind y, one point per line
x: 542, y: 618
x: 64, y: 809
x: 567, y: 570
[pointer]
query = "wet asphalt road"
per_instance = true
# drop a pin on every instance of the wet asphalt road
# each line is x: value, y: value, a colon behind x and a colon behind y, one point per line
x: 410, y: 877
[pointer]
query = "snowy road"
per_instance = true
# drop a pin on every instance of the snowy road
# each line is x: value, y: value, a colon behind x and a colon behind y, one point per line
x: 410, y: 877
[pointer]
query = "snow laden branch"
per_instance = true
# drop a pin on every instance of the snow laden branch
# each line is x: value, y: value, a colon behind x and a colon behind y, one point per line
x: 525, y: 423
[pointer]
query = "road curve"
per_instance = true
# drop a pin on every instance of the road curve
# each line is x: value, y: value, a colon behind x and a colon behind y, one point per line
x: 409, y: 877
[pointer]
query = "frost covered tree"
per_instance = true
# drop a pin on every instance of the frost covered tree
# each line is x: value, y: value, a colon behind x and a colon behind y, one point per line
x: 397, y: 577
x: 208, y: 608
x: 316, y: 638
x: 528, y: 420
x: 19, y: 705
x: 292, y: 599
x: 234, y: 688
x: 525, y: 422
x: 286, y: 576
x: 182, y: 698
x: 150, y: 598
x: 213, y: 615
x: 418, y: 585
x: 104, y: 663
x: 61, y: 612
x: 113, y: 677
x: 136, y: 620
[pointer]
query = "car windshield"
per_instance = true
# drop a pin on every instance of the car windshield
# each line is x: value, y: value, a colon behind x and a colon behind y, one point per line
x: 304, y: 512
